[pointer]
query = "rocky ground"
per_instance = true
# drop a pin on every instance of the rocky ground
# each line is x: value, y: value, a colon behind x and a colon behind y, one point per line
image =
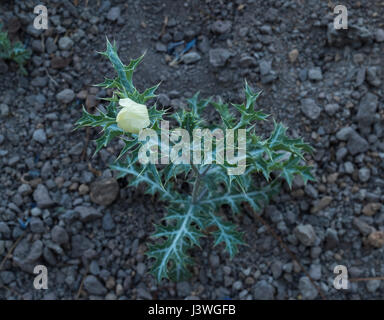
x: 326, y: 86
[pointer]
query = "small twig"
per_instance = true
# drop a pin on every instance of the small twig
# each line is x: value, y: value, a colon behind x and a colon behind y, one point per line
x: 291, y: 254
x: 11, y: 289
x: 163, y: 28
x: 82, y: 282
x: 11, y: 250
x: 365, y: 279
x: 50, y: 77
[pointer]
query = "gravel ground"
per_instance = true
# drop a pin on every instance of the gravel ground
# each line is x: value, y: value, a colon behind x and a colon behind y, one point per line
x: 326, y: 86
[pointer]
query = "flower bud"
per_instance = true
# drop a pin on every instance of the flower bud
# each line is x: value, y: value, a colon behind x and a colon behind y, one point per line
x: 133, y: 117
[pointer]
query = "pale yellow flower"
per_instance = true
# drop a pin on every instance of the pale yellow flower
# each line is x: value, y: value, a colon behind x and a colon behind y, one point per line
x: 133, y: 117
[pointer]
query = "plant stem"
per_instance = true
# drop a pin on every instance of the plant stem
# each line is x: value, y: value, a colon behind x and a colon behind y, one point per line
x: 197, y: 184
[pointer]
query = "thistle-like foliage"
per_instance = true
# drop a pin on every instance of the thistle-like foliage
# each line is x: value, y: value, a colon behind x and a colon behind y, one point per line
x: 192, y: 216
x: 13, y: 51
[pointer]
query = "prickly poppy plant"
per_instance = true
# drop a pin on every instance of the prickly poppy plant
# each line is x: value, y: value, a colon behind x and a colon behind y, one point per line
x: 192, y: 215
x: 13, y: 51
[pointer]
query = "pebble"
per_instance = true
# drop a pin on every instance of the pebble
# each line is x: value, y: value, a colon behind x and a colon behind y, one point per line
x: 357, y: 144
x: 315, y: 74
x: 310, y: 108
x: 376, y: 239
x: 191, y: 57
x: 65, y: 43
x: 104, y: 191
x: 293, y: 55
x: 305, y: 234
x: 373, y: 285
x: 107, y: 222
x: 114, y: 14
x: 379, y: 35
x: 307, y: 290
x: 88, y: 214
x: 36, y: 225
x: 221, y: 26
x: 371, y: 208
x: 42, y: 197
x: 263, y: 291
x: 65, y: 96
x: 40, y: 136
x: 93, y: 286
x: 59, y: 235
x: 331, y: 108
x: 4, y: 110
x: 364, y: 174
x: 218, y: 57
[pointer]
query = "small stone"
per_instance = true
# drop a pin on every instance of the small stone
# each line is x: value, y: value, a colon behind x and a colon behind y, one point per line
x: 293, y: 55
x: 379, y: 35
x: 4, y: 110
x: 237, y: 285
x: 310, y: 108
x: 65, y: 96
x: 88, y: 214
x: 265, y: 67
x: 367, y: 110
x: 247, y: 61
x: 364, y: 174
x: 315, y: 271
x: 59, y: 62
x: 305, y: 234
x: 331, y: 108
x: 218, y: 57
x: 94, y: 286
x: 308, y: 291
x: 119, y: 290
x: 357, y: 144
x: 107, y: 222
x: 35, y: 252
x: 36, y: 225
x: 373, y: 77
x: 24, y: 189
x: 4, y: 230
x: 214, y: 260
x: 315, y: 74
x: 363, y: 227
x: 80, y: 244
x: 42, y: 197
x: 331, y: 238
x: 114, y: 14
x: 263, y: 291
x: 83, y: 189
x: 321, y: 204
x: 191, y: 57
x: 371, y: 208
x: 39, y: 136
x: 376, y: 239
x: 373, y: 285
x: 59, y: 235
x: 104, y: 191
x: 344, y: 133
x: 65, y: 43
x: 221, y: 26
x: 161, y: 47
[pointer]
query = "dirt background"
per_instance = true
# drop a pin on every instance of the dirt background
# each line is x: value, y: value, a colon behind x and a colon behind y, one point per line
x: 327, y: 86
